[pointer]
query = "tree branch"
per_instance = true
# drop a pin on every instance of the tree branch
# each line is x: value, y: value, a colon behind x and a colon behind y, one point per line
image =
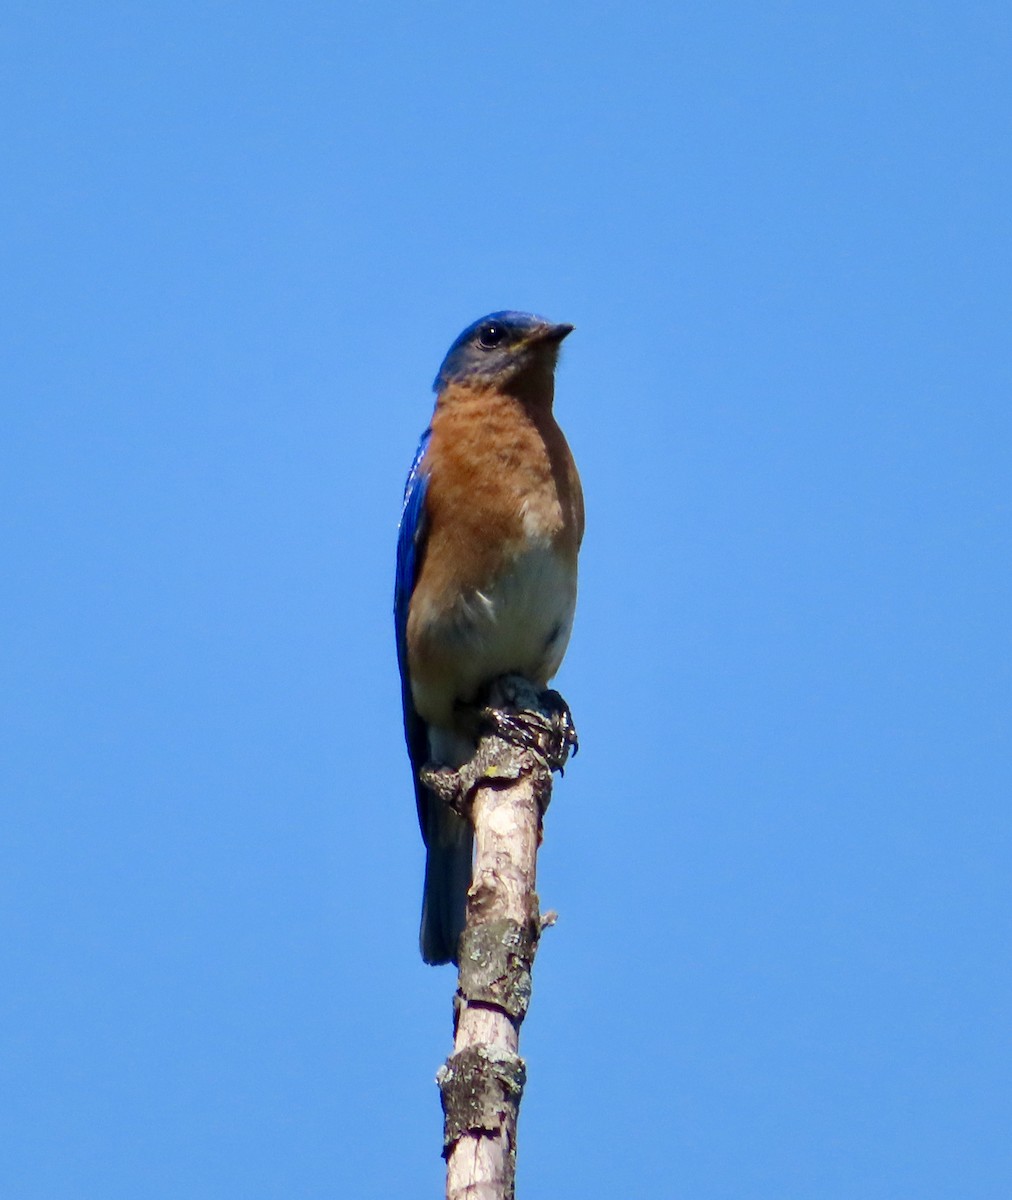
x: 505, y: 790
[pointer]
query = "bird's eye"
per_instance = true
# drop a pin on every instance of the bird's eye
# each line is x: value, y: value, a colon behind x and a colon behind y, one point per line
x: 490, y: 336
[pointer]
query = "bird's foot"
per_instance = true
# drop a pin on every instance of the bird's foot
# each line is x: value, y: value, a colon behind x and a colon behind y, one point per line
x: 561, y: 718
x: 512, y: 709
x: 538, y: 721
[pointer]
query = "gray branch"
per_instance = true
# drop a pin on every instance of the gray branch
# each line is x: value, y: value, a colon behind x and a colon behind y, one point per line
x: 504, y: 790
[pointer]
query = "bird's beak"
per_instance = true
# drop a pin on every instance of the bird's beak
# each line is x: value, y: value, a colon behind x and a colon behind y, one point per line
x: 552, y: 333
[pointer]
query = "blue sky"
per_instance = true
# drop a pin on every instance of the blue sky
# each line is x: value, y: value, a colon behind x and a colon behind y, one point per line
x: 237, y: 242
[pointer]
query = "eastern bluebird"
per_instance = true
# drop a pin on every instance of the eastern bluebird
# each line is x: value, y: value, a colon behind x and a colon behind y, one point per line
x: 486, y: 569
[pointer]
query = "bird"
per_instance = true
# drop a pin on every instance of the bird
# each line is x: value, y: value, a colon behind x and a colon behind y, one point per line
x: 486, y: 571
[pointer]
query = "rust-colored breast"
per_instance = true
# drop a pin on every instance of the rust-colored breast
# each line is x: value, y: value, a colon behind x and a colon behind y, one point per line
x: 500, y: 473
x: 497, y: 584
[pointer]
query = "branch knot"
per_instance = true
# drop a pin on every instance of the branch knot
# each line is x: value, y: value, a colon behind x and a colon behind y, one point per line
x: 496, y: 958
x: 480, y: 1087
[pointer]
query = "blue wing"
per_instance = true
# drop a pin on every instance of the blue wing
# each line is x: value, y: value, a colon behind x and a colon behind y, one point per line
x: 410, y: 551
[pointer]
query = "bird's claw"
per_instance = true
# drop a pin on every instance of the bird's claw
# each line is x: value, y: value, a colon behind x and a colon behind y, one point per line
x: 563, y: 725
x: 540, y: 722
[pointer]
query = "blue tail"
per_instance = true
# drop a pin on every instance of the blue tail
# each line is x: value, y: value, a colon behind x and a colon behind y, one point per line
x: 449, y: 841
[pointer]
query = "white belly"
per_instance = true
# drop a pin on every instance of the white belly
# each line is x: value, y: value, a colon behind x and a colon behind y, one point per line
x: 519, y: 624
x: 523, y: 622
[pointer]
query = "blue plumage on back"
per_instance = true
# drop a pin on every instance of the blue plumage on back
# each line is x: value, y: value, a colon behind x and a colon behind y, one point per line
x: 410, y: 547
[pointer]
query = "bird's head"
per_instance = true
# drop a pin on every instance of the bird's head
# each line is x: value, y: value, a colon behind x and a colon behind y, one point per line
x: 500, y: 348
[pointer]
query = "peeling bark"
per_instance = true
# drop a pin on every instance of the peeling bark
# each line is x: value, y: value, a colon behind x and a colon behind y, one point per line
x: 505, y: 790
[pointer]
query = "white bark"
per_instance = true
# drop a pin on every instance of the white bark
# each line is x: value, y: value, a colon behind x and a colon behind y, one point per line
x: 505, y: 788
